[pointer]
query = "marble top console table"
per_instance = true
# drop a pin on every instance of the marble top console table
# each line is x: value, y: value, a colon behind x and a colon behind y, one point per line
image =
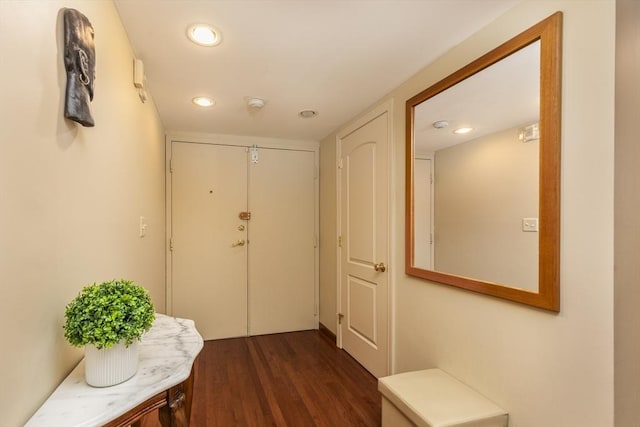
x: 164, y: 381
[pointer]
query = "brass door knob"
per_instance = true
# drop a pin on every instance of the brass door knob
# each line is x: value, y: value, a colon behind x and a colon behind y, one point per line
x: 240, y: 242
x: 380, y: 267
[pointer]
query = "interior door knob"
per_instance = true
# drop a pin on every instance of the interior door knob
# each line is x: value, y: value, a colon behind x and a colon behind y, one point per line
x: 380, y: 267
x: 240, y: 242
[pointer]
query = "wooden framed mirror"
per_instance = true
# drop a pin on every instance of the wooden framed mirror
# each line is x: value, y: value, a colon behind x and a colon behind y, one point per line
x: 483, y: 208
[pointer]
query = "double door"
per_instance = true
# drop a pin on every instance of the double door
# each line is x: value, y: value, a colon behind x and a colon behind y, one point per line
x: 243, y: 239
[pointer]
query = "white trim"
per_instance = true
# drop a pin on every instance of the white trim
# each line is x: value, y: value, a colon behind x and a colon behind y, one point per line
x: 338, y: 165
x: 245, y: 141
x: 430, y: 156
x: 168, y: 233
x: 316, y: 279
x: 391, y: 339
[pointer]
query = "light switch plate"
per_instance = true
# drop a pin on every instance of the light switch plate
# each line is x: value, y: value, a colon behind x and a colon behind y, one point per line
x: 529, y: 224
x: 143, y: 226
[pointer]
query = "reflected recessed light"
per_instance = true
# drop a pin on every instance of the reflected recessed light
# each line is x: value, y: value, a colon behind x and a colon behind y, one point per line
x: 307, y: 114
x: 204, y: 35
x: 462, y: 131
x: 440, y: 124
x: 203, y: 101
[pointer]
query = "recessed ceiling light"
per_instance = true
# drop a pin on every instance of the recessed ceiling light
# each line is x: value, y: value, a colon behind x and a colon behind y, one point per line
x: 462, y: 131
x: 204, y: 35
x: 307, y: 114
x: 203, y: 101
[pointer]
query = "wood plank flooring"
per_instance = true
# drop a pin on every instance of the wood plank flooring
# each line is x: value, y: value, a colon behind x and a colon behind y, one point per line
x: 296, y: 379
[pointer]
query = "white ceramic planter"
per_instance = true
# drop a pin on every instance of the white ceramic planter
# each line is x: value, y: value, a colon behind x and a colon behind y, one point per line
x: 111, y: 366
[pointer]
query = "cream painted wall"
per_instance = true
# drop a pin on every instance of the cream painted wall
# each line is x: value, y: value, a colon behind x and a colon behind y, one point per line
x: 545, y: 369
x: 627, y: 207
x: 71, y: 196
x: 482, y: 191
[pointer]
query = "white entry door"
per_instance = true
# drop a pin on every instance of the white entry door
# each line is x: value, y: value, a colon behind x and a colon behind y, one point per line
x: 209, y: 258
x: 364, y: 235
x: 282, y: 242
x: 233, y: 276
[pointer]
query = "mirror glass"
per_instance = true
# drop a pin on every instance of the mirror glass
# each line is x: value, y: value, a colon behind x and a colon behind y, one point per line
x: 483, y: 205
x: 474, y: 189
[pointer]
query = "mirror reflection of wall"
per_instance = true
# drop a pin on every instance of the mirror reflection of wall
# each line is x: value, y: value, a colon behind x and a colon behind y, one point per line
x: 469, y: 217
x: 483, y: 189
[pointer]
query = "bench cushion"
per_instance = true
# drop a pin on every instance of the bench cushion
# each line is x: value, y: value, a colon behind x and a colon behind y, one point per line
x: 433, y: 398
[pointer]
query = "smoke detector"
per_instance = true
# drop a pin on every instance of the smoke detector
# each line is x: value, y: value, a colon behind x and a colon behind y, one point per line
x: 307, y: 114
x: 256, y: 103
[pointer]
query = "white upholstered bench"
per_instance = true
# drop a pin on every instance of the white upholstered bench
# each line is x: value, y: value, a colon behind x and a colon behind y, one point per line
x: 433, y: 398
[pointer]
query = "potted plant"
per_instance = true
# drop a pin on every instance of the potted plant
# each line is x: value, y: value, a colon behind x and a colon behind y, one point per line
x: 108, y: 319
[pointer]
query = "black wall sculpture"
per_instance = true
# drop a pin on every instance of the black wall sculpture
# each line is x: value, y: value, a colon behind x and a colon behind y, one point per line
x: 80, y: 63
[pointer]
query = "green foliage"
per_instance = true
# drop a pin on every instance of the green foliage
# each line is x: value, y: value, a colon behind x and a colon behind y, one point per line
x: 107, y: 313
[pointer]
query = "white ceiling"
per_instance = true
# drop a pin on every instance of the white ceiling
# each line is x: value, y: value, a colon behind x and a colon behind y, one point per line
x: 334, y: 56
x: 502, y: 96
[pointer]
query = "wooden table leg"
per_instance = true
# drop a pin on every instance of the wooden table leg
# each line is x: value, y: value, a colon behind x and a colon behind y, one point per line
x: 178, y: 411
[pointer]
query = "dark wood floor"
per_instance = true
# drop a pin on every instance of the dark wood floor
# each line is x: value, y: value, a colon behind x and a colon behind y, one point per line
x: 296, y: 379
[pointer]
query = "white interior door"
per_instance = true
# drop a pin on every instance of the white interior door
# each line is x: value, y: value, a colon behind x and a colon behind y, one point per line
x: 364, y: 231
x: 209, y: 259
x: 282, y: 241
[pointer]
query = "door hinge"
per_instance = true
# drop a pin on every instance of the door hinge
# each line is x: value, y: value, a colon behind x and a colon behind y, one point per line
x: 315, y: 309
x: 171, y: 244
x: 340, y: 317
x: 315, y: 241
x: 339, y: 241
x: 170, y: 166
x: 340, y: 164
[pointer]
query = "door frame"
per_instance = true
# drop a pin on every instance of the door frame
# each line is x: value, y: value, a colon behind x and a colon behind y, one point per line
x: 248, y: 142
x: 431, y: 156
x: 384, y: 107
